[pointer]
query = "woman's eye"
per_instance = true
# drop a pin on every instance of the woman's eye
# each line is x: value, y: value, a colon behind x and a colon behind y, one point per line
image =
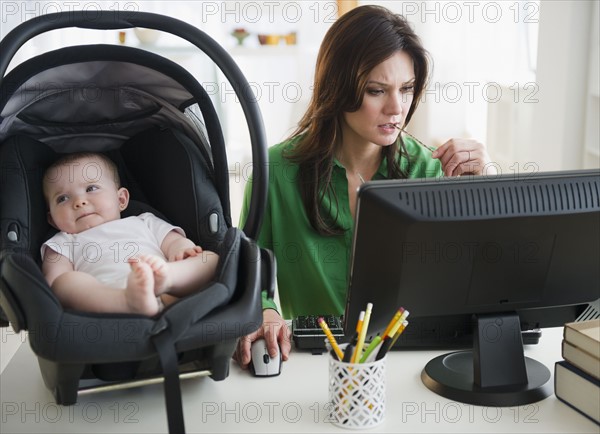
x: 408, y: 89
x: 91, y: 188
x: 374, y: 91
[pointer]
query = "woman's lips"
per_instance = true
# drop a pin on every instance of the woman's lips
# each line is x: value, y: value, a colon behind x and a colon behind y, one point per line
x: 389, y: 127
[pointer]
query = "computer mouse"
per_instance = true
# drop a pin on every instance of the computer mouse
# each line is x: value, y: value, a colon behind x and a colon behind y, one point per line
x: 261, y: 364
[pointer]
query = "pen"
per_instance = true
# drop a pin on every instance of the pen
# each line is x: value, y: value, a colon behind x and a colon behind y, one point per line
x: 384, y: 349
x: 374, y: 344
x: 331, y: 338
x: 348, y: 353
x: 363, y: 334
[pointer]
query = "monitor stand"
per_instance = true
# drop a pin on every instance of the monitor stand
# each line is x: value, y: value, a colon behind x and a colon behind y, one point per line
x: 495, y: 373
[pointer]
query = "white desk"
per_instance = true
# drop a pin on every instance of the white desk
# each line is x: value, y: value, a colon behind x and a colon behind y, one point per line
x: 293, y: 402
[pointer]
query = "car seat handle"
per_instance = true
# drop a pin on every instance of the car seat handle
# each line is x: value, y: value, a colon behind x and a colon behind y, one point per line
x: 123, y: 19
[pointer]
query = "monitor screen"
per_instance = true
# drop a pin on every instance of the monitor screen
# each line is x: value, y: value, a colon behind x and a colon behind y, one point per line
x: 509, y: 252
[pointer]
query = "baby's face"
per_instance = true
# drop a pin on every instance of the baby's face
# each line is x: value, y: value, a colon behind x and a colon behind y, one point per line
x: 83, y: 194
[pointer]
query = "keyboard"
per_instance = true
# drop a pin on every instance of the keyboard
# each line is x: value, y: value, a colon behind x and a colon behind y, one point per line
x: 308, y: 335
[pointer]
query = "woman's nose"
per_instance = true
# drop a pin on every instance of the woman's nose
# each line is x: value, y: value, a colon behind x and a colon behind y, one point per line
x: 394, y: 104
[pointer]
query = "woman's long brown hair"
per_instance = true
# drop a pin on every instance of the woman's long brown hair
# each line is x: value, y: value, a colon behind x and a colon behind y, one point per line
x: 355, y: 44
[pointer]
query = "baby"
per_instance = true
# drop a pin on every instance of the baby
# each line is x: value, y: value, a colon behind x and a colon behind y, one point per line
x: 102, y: 263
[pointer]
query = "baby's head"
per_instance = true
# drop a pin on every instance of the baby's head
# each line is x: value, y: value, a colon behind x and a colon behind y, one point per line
x: 83, y: 190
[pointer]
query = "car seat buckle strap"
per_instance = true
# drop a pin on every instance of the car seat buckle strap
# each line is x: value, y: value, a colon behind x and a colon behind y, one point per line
x: 165, y: 347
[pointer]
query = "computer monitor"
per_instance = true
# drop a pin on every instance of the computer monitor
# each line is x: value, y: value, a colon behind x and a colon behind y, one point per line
x: 486, y: 256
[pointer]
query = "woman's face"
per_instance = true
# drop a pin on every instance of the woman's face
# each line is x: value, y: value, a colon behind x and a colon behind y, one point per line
x: 387, y: 99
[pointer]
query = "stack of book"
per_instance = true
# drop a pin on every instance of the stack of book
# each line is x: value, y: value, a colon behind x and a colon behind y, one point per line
x: 577, y: 377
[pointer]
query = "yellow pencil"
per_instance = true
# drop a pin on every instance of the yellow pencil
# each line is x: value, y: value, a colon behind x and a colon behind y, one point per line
x: 331, y: 338
x: 361, y: 318
x: 393, y: 321
x: 399, y: 332
x: 363, y: 334
x: 401, y: 319
x: 389, y: 343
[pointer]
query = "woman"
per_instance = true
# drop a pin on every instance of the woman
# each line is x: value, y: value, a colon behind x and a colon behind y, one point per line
x: 370, y: 74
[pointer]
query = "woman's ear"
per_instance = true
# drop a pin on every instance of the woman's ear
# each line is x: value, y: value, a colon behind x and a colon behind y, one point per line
x: 123, y: 195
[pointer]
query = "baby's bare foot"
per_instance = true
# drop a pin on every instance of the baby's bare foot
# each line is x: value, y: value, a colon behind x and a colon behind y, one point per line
x: 140, y: 289
x: 160, y: 270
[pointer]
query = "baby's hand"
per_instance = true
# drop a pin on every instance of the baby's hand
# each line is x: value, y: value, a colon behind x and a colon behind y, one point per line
x: 186, y: 253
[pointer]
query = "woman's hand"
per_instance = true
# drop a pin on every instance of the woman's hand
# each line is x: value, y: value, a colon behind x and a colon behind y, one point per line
x: 276, y: 334
x: 464, y: 157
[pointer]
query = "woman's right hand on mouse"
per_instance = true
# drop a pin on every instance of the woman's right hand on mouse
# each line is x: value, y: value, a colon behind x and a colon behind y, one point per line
x: 276, y: 334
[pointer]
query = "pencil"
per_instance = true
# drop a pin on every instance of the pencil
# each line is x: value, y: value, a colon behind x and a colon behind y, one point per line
x: 393, y: 331
x: 393, y: 321
x: 363, y: 334
x: 398, y: 333
x: 388, y: 343
x: 361, y: 317
x: 354, y: 341
x: 398, y: 323
x: 332, y: 341
x: 401, y: 319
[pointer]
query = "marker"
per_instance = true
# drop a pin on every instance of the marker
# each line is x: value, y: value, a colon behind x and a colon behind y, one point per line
x: 374, y: 353
x: 332, y: 341
x: 363, y: 334
x: 374, y: 344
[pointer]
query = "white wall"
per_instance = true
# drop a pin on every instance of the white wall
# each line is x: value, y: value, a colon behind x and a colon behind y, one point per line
x: 558, y: 126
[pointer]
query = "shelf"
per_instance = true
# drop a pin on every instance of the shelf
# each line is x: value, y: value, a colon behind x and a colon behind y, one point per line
x: 269, y: 50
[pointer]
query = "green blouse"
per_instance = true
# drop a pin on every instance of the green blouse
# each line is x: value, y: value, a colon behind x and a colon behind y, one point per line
x: 312, y: 269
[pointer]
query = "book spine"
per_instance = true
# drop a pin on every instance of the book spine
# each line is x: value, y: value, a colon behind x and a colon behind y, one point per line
x: 578, y: 410
x: 581, y: 359
x: 575, y: 336
x: 565, y: 371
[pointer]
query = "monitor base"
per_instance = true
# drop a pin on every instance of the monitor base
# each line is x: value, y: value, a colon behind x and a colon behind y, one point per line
x: 451, y: 376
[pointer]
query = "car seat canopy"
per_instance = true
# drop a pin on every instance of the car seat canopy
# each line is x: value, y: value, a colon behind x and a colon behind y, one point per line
x: 95, y: 98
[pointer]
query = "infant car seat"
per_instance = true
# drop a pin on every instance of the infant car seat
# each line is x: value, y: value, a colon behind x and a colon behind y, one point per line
x: 156, y: 122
